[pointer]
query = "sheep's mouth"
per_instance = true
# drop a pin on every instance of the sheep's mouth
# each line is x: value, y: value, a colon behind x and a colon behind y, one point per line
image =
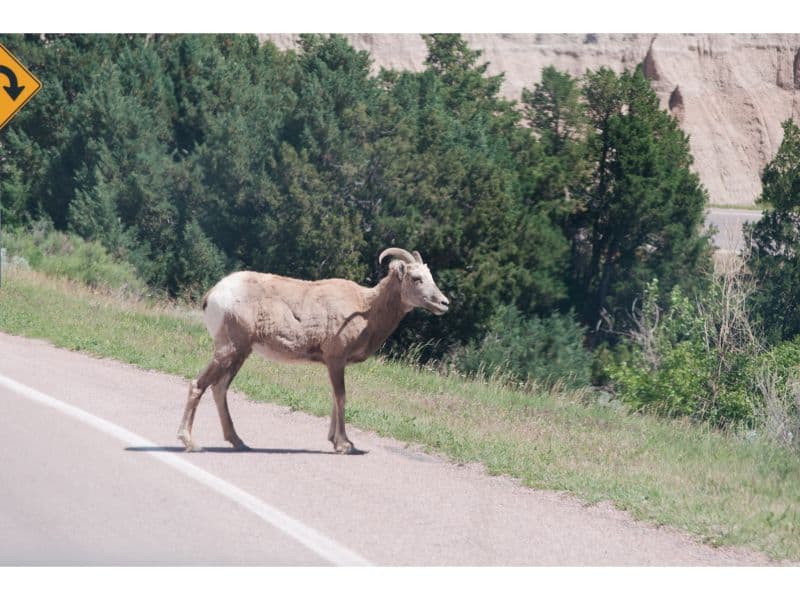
x: 437, y: 308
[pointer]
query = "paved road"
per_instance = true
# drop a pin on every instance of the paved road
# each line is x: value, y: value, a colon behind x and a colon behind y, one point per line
x: 91, y: 473
x: 728, y: 222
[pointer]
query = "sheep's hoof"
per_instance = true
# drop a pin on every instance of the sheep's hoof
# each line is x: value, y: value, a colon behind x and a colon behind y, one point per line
x: 345, y: 447
x: 188, y: 443
x: 239, y: 445
x: 192, y: 447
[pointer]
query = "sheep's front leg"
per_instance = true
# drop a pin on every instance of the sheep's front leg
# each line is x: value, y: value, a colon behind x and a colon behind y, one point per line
x: 337, y: 434
x: 332, y: 428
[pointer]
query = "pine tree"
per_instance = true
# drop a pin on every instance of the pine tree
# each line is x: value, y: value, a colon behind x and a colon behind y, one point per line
x: 190, y: 155
x: 644, y: 206
x: 450, y: 186
x: 775, y: 240
x: 36, y: 147
x: 124, y: 195
x: 196, y: 264
x: 558, y: 167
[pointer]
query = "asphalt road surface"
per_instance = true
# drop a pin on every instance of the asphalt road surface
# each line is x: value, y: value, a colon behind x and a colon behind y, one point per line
x: 91, y: 474
x: 729, y: 222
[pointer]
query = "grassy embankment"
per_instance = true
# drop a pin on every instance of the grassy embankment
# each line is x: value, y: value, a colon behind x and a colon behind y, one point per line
x: 721, y: 488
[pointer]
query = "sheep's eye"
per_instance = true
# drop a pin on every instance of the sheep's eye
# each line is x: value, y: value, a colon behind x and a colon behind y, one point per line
x: 416, y: 279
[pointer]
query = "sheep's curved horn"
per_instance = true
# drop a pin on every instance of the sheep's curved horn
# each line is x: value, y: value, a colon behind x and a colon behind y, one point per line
x: 403, y: 255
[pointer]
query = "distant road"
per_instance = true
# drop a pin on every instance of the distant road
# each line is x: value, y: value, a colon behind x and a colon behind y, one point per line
x: 91, y: 474
x: 729, y: 222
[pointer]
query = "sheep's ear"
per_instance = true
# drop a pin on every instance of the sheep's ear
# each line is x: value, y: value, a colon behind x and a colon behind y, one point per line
x: 400, y: 269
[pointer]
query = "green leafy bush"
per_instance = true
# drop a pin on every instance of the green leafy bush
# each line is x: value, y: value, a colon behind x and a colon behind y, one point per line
x: 547, y: 350
x: 777, y: 377
x: 68, y: 255
x: 692, y: 359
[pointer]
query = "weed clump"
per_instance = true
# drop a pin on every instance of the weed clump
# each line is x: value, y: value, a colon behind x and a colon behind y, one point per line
x: 59, y: 254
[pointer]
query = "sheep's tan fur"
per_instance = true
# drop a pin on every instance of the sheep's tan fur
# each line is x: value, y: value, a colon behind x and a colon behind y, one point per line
x: 332, y: 321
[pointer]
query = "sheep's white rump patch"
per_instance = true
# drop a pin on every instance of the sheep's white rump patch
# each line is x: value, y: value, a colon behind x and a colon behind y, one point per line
x: 221, y: 300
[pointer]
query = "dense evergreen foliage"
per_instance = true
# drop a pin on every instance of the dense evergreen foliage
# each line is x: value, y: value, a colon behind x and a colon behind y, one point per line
x: 548, y: 350
x: 775, y: 241
x: 191, y: 155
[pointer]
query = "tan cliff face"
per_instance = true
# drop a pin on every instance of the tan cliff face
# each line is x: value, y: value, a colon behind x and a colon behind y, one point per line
x: 730, y: 92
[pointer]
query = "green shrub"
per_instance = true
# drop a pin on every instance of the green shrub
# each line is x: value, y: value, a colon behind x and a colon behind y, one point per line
x: 686, y: 383
x: 692, y: 359
x: 547, y: 350
x: 782, y: 359
x: 198, y: 264
x: 67, y: 255
x: 777, y: 377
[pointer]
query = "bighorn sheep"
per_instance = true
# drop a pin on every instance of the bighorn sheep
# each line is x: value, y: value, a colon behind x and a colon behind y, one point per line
x: 332, y: 321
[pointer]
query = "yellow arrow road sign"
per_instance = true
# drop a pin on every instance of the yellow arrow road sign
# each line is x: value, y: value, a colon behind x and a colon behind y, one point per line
x: 17, y: 85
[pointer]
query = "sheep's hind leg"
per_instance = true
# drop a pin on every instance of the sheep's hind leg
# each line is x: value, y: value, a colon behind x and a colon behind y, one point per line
x: 213, y: 371
x: 185, y: 429
x: 220, y: 391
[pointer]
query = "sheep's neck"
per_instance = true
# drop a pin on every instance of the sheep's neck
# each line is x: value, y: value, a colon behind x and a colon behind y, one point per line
x: 386, y: 309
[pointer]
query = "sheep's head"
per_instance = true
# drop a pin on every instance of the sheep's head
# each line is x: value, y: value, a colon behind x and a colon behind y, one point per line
x: 417, y: 288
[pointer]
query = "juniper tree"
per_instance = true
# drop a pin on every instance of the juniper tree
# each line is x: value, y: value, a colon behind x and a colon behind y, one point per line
x: 643, y: 213
x: 775, y: 240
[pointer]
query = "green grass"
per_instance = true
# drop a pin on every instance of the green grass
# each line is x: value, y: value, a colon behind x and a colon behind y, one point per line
x: 722, y: 488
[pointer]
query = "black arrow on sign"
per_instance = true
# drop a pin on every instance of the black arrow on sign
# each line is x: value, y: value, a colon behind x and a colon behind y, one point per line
x: 13, y: 89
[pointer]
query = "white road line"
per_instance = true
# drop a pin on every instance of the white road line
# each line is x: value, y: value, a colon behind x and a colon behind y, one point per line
x: 308, y: 537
